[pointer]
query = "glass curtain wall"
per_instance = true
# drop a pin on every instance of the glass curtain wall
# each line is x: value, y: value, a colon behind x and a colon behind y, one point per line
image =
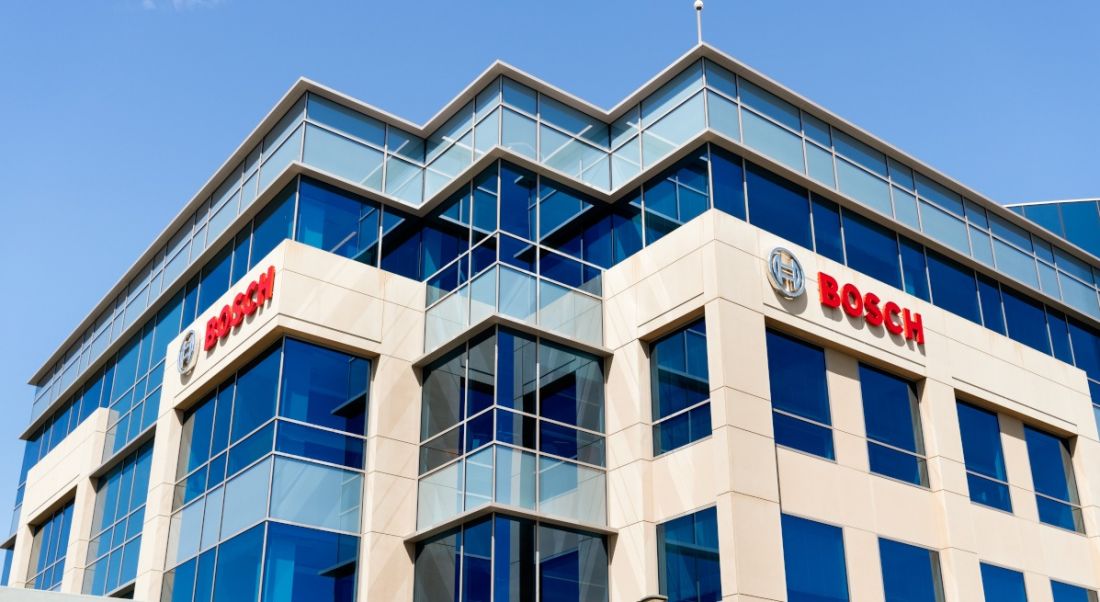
x: 48, y: 551
x: 269, y: 481
x: 507, y: 559
x: 515, y: 420
x: 117, y: 524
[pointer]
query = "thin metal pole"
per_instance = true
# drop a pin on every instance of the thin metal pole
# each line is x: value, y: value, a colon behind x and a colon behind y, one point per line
x: 699, y: 21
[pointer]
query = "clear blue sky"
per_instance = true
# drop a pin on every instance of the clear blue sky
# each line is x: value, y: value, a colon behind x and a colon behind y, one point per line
x: 116, y: 111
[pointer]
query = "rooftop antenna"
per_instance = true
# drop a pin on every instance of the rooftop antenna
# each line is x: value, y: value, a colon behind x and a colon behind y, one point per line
x: 699, y: 21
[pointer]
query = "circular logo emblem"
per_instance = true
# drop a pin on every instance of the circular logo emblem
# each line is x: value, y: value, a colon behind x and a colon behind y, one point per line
x: 785, y: 273
x: 185, y: 361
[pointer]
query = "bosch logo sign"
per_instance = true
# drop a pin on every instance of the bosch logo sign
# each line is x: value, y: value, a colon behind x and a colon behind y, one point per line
x: 896, y: 319
x: 256, y: 295
x: 787, y: 278
x: 188, y: 355
x: 785, y: 273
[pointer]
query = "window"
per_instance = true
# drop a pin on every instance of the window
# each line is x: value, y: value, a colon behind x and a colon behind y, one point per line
x: 1052, y: 476
x: 687, y: 558
x: 266, y: 446
x: 507, y: 559
x: 1002, y: 585
x: 676, y: 196
x: 910, y: 573
x: 1064, y: 592
x: 872, y: 249
x: 514, y: 419
x: 681, y: 388
x: 813, y: 557
x: 116, y: 526
x: 895, y: 443
x: 953, y: 287
x: 800, y: 395
x: 48, y: 550
x: 984, y: 458
x: 778, y: 206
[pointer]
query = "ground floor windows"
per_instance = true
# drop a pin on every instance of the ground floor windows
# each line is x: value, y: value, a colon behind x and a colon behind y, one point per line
x: 813, y: 557
x: 687, y: 558
x: 910, y: 573
x: 271, y: 561
x: 503, y: 559
x: 51, y: 544
x: 1002, y: 585
x: 117, y: 525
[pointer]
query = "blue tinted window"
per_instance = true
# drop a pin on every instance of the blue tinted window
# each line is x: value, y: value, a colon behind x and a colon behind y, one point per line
x: 687, y: 558
x: 345, y: 119
x: 238, y: 568
x: 1046, y: 216
x: 1086, y: 348
x: 778, y: 206
x: 256, y: 386
x: 514, y: 564
x: 1027, y: 322
x: 992, y: 306
x: 338, y: 222
x: 953, y: 287
x: 274, y: 224
x: 728, y: 176
x: 572, y: 566
x: 680, y: 381
x: 827, y: 228
x: 477, y: 557
x: 321, y: 445
x: 1082, y: 222
x: 1052, y: 476
x: 324, y: 387
x: 676, y: 196
x: 1002, y: 585
x: 914, y: 269
x: 799, y: 395
x: 215, y: 279
x: 306, y: 564
x: 1064, y: 592
x: 872, y: 249
x: 1059, y: 335
x: 116, y: 532
x: 909, y: 573
x: 894, y: 440
x: 518, y: 201
x: 983, y: 456
x: 51, y: 541
x: 813, y: 557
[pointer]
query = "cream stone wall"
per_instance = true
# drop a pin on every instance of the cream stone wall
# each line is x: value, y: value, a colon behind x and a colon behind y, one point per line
x: 715, y: 267
x: 712, y: 267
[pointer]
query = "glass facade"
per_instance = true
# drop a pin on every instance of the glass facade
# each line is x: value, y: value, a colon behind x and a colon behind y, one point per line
x: 117, y: 524
x: 687, y: 558
x: 895, y: 443
x: 813, y: 558
x: 910, y: 573
x: 984, y: 457
x: 271, y: 462
x: 51, y: 545
x: 1052, y: 477
x: 1002, y: 585
x: 800, y: 395
x: 505, y: 559
x: 681, y: 388
x: 515, y: 420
